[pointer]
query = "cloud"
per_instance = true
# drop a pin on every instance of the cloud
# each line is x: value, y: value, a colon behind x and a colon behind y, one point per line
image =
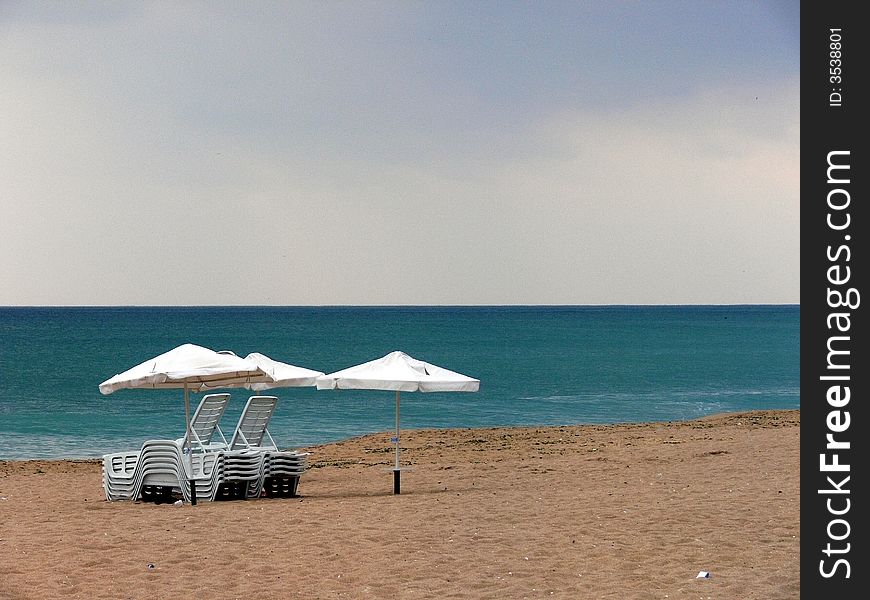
x: 689, y: 202
x: 176, y: 155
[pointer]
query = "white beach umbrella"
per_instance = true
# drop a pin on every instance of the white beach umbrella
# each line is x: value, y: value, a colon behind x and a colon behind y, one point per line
x: 402, y: 373
x: 190, y: 367
x: 281, y: 374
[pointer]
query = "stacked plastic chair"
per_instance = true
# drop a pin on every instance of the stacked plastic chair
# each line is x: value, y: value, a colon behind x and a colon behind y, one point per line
x: 281, y: 473
x: 249, y: 466
x: 240, y: 476
x: 204, y: 469
x: 119, y: 475
x: 120, y: 469
x: 280, y: 470
x: 205, y: 423
x: 252, y: 431
x: 160, y: 471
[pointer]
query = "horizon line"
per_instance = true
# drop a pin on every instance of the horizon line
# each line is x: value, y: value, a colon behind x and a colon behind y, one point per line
x: 512, y: 305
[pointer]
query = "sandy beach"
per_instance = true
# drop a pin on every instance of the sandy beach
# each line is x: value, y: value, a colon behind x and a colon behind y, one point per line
x: 615, y: 511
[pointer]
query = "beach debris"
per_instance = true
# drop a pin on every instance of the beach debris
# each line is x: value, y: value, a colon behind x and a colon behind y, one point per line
x: 151, y: 566
x: 703, y: 575
x: 178, y: 503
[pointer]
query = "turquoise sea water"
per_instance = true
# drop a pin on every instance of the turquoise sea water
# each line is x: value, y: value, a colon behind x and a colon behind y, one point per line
x: 537, y: 366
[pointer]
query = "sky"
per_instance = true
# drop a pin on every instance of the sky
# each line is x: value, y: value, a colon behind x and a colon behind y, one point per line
x: 399, y: 152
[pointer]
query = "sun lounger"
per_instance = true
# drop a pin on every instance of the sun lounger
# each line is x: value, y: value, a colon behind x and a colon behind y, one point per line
x: 159, y: 472
x: 205, y: 469
x: 164, y: 472
x: 205, y: 423
x: 280, y: 470
x: 241, y: 475
x: 252, y: 431
x: 249, y: 466
x: 120, y: 468
x: 119, y: 471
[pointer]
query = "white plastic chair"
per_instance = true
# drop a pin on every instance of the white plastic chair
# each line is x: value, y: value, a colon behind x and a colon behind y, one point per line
x: 123, y: 472
x: 119, y: 475
x: 241, y: 475
x: 252, y: 430
x: 280, y: 471
x: 160, y: 470
x: 205, y: 423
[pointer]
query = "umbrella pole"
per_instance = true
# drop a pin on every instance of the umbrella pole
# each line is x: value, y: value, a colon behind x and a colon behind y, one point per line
x: 397, y: 473
x: 187, y: 444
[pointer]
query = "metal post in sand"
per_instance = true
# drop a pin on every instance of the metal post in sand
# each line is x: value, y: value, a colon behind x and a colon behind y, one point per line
x: 397, y: 473
x: 188, y: 447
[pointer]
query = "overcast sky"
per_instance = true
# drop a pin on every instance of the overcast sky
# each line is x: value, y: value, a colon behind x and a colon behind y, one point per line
x: 295, y: 153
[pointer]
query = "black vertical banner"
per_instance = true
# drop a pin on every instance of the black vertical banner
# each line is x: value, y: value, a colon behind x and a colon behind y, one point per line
x: 834, y: 370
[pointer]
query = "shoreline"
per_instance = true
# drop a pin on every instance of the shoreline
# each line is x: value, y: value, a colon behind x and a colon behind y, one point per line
x: 410, y: 431
x: 632, y: 510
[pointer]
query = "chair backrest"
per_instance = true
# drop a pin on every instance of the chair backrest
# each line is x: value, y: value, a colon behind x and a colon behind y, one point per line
x: 206, y: 421
x: 253, y: 424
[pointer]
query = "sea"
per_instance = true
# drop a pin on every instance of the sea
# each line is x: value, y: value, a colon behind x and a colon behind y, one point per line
x: 537, y: 365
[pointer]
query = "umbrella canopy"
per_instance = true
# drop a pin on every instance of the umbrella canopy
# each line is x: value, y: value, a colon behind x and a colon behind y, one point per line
x: 188, y: 366
x: 281, y: 374
x: 402, y: 373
